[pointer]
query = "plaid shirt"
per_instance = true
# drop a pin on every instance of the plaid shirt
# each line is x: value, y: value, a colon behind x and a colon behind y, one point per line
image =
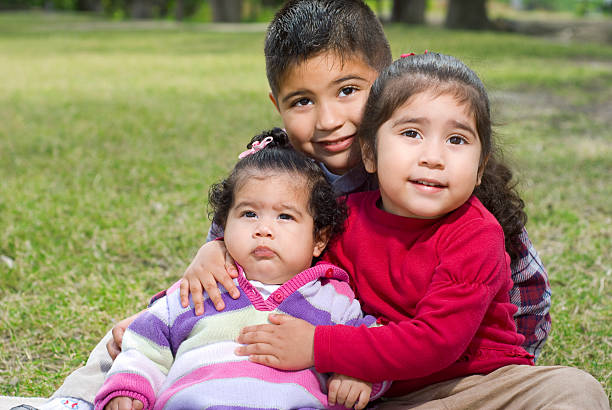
x: 531, y: 292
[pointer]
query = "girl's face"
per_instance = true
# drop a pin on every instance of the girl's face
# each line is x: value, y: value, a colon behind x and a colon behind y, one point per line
x: 269, y: 229
x: 428, y: 156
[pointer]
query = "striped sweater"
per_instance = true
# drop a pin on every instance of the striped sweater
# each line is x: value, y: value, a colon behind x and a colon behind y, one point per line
x: 173, y: 359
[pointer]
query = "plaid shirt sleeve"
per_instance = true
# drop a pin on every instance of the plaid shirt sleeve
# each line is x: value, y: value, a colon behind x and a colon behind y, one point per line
x: 531, y: 294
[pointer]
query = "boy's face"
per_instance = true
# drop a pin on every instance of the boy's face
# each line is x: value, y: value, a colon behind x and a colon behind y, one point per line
x: 321, y: 102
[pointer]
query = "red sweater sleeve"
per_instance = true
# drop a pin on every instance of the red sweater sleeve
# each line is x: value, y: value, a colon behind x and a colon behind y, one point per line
x: 472, y: 271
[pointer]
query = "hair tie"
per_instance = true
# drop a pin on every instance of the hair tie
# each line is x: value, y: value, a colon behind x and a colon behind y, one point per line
x: 256, y: 146
x: 410, y: 54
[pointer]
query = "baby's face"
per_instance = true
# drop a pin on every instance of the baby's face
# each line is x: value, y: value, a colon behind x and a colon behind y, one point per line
x: 321, y: 102
x: 269, y: 229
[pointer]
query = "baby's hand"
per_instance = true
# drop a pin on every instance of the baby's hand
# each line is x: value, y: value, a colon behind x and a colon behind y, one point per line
x: 114, y: 345
x: 124, y: 403
x: 212, y: 265
x: 348, y: 391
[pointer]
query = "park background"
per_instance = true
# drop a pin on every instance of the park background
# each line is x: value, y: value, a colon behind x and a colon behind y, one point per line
x: 114, y: 124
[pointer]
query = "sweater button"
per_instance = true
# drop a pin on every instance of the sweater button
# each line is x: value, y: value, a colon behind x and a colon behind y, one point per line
x: 329, y: 273
x: 278, y: 297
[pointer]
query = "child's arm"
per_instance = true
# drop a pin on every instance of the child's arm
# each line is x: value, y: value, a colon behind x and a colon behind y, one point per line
x: 141, y: 368
x: 211, y: 265
x: 443, y: 325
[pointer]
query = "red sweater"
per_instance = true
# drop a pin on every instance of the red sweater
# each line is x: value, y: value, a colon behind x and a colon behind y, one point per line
x: 439, y: 285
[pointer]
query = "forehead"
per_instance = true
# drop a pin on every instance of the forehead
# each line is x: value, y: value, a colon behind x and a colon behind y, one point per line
x: 272, y: 189
x: 325, y: 69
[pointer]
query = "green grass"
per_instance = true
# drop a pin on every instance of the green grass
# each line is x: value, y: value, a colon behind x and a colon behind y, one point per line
x: 111, y: 133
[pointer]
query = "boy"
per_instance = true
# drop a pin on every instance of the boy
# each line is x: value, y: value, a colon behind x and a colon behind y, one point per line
x: 321, y: 59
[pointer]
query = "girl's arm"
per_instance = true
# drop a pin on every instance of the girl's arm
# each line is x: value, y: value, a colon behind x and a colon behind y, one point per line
x: 446, y: 320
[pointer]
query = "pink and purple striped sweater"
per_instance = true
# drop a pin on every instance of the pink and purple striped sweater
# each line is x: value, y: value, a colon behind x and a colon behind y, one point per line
x: 173, y: 359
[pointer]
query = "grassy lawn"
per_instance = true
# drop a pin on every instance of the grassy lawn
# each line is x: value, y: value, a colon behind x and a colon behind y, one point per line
x: 111, y: 133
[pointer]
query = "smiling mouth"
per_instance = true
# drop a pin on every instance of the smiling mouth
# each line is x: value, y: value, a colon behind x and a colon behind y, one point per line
x: 433, y: 184
x: 339, y: 144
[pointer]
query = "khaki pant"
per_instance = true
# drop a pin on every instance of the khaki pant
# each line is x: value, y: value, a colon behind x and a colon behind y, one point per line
x: 510, y: 387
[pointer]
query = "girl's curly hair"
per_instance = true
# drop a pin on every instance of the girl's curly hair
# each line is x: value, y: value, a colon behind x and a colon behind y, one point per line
x: 278, y: 156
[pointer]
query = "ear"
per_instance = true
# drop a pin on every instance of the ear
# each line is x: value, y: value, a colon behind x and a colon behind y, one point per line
x: 367, y: 156
x: 481, y: 169
x: 320, y: 243
x: 271, y: 96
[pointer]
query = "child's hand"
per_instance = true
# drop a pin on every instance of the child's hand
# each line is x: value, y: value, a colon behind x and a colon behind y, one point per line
x: 286, y: 344
x: 348, y: 392
x: 211, y: 265
x: 124, y: 403
x: 114, y: 345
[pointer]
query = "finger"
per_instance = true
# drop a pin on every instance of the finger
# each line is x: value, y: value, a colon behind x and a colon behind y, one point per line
x: 118, y: 332
x: 255, y: 349
x: 230, y: 265
x: 125, y: 403
x: 137, y: 405
x: 279, y: 319
x: 112, y: 349
x: 184, y: 292
x: 343, y: 392
x: 258, y: 334
x: 212, y: 290
x: 195, y: 288
x: 364, y: 399
x: 352, y: 397
x: 265, y: 359
x: 228, y: 283
x: 332, y: 391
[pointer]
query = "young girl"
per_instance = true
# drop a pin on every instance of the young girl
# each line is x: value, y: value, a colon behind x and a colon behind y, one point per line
x: 427, y: 258
x: 278, y: 212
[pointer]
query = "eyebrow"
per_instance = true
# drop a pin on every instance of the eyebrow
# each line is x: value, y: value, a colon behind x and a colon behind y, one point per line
x: 420, y: 120
x: 337, y: 81
x: 280, y: 207
x: 463, y: 126
x: 407, y: 120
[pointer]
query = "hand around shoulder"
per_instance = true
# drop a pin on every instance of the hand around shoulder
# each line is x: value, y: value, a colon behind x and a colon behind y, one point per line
x: 124, y: 403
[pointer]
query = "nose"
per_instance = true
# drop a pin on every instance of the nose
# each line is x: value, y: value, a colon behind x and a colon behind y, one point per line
x: 263, y: 230
x: 328, y: 116
x: 431, y: 155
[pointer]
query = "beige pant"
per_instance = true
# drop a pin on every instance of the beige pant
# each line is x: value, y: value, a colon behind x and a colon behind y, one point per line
x: 510, y: 387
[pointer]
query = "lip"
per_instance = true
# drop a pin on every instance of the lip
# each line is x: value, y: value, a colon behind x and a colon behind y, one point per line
x: 338, y: 144
x: 436, y: 187
x: 263, y: 252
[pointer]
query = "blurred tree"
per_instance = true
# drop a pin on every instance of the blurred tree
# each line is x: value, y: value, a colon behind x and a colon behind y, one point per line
x: 408, y: 11
x: 89, y: 5
x: 226, y: 10
x: 467, y: 14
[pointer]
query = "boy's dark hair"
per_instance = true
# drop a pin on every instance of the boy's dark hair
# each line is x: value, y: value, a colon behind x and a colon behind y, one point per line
x: 302, y: 29
x: 446, y: 75
x: 278, y: 156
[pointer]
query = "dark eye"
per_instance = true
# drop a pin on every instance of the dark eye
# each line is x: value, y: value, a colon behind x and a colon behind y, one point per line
x: 411, y: 134
x: 302, y: 102
x: 249, y: 214
x: 285, y: 216
x: 347, y: 91
x: 457, y: 140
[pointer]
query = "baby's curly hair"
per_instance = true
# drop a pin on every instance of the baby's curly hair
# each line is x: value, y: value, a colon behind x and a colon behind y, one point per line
x: 328, y: 213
